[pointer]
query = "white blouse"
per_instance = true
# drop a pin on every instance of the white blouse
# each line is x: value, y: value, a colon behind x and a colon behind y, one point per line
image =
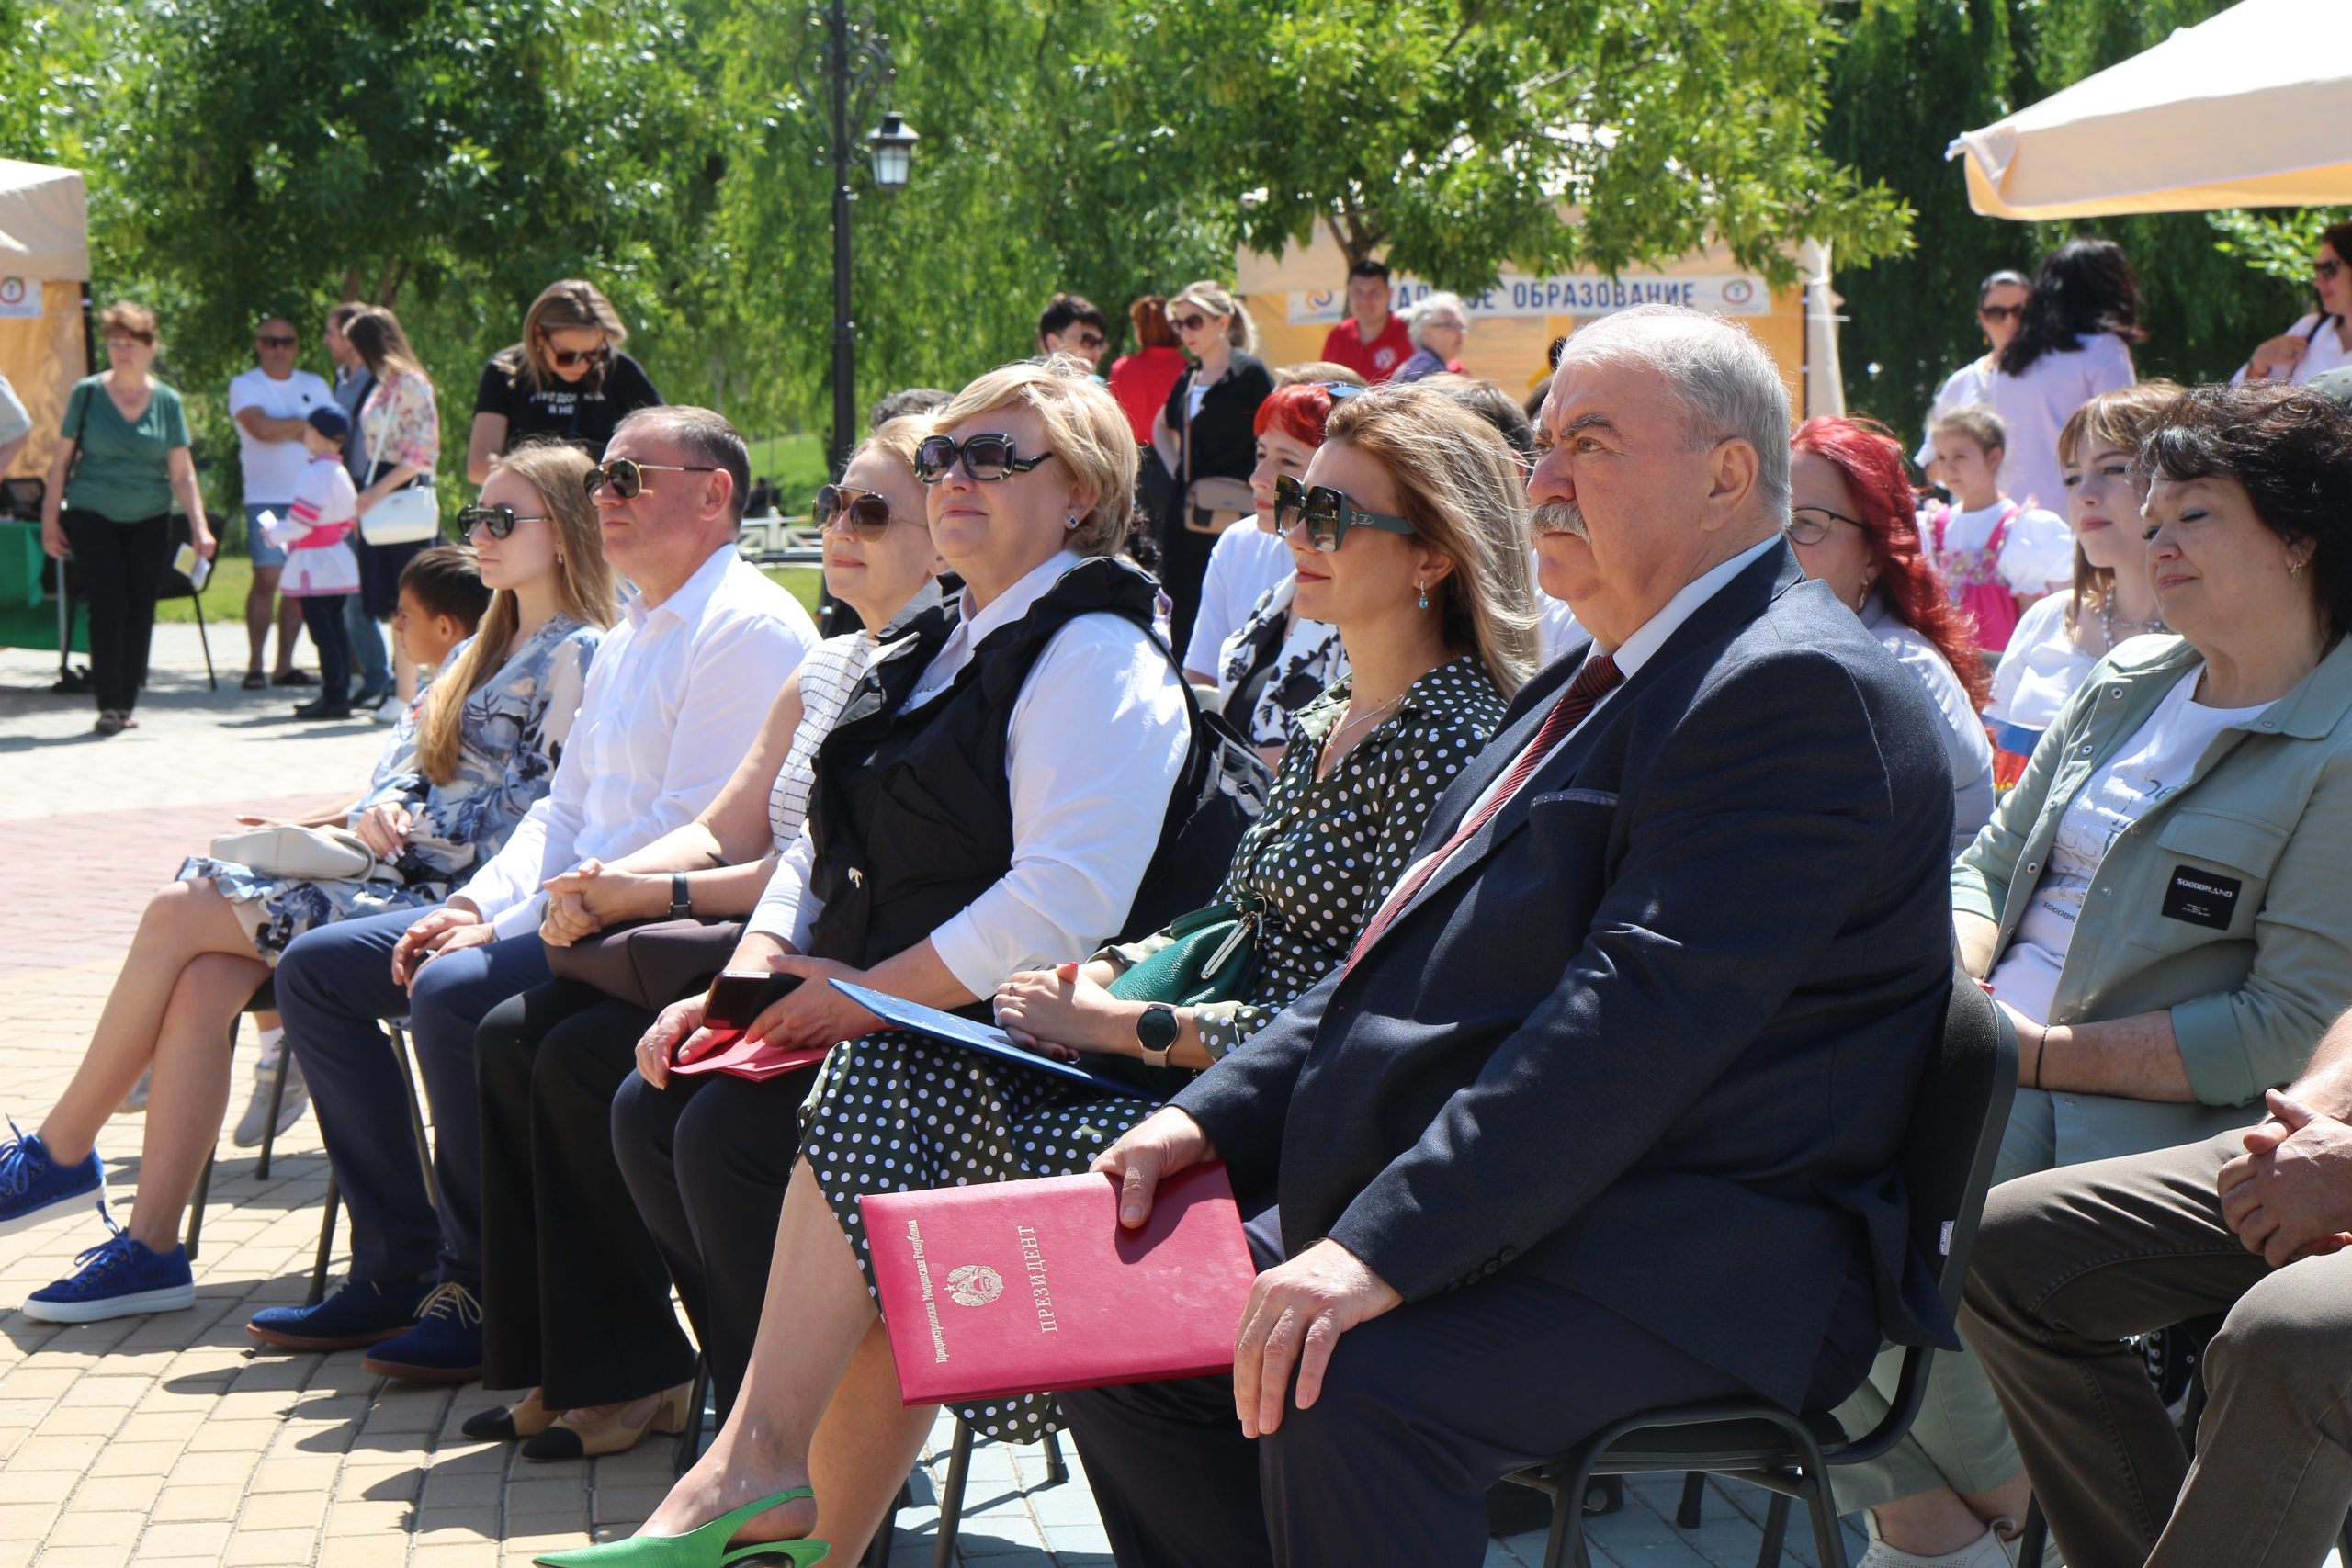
x: 1966, y: 749
x: 2039, y: 670
x: 2035, y: 407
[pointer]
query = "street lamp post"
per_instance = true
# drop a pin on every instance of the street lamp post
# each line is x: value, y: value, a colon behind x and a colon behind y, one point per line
x: 857, y: 67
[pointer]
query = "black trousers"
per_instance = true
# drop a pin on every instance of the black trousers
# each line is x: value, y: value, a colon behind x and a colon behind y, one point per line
x: 1422, y: 1410
x: 121, y: 566
x: 707, y: 1160
x: 323, y: 615
x: 575, y: 1298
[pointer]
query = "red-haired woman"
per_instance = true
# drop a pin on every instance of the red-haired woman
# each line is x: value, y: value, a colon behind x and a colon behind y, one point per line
x: 1851, y: 521
x: 1271, y: 663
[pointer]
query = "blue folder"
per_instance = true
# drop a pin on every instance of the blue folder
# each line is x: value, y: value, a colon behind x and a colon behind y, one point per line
x: 951, y: 1029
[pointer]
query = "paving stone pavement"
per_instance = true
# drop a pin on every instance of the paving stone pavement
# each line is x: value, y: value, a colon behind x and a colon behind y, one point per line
x: 172, y: 1439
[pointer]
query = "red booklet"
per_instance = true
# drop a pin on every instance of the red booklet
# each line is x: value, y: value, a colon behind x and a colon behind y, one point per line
x: 757, y: 1061
x: 1027, y: 1287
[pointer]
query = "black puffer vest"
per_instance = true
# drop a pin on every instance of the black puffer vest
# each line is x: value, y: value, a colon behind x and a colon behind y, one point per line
x: 913, y: 811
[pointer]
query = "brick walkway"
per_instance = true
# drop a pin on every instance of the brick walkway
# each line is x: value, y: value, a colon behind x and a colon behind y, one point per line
x: 172, y: 1439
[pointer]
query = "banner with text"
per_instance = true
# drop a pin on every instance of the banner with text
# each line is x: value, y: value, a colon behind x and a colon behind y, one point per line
x: 1572, y: 294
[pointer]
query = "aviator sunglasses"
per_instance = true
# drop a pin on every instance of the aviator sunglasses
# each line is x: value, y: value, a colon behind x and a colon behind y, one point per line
x: 1326, y: 514
x: 627, y: 476
x: 986, y: 458
x: 867, y: 514
x: 498, y: 522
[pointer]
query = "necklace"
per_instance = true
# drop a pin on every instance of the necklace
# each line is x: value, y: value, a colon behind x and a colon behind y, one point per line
x: 2108, y: 623
x: 1354, y: 719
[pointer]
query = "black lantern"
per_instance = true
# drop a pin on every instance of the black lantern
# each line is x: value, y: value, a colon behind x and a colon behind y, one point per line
x: 893, y: 146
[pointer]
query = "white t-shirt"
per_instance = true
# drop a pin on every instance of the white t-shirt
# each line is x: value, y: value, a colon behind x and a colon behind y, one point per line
x: 2039, y: 670
x: 2150, y: 767
x: 2035, y: 407
x: 2322, y: 351
x: 274, y: 468
x: 2036, y: 553
x: 1971, y: 383
x: 1244, y: 564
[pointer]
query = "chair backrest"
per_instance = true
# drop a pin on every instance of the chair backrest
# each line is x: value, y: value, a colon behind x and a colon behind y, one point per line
x: 22, y: 496
x: 1957, y: 1120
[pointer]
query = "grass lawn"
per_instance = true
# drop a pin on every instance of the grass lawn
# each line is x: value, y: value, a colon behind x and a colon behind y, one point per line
x: 224, y: 594
x: 794, y: 464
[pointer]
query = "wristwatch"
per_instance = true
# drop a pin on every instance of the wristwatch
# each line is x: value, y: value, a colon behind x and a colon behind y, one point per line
x: 682, y: 903
x: 1156, y: 1031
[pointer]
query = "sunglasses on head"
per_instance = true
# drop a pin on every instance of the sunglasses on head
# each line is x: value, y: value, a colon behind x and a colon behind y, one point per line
x: 985, y: 458
x: 498, y: 522
x: 627, y: 476
x: 2001, y: 312
x: 565, y: 359
x: 275, y: 340
x: 1326, y: 514
x: 866, y: 514
x: 1811, y: 525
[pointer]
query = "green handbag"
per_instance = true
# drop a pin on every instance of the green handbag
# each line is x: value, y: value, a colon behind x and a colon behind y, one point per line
x: 1213, y: 958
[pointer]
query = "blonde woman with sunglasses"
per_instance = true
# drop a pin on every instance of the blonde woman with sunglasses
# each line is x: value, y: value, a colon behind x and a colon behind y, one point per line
x: 567, y: 380
x: 483, y: 751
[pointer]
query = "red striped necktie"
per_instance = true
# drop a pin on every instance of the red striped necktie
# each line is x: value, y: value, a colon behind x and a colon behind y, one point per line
x: 1594, y: 681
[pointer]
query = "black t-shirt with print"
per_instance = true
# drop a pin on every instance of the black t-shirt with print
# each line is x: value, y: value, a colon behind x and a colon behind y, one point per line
x: 561, y: 409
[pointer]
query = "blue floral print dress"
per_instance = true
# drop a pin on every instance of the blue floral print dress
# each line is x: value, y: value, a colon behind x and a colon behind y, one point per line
x: 509, y: 737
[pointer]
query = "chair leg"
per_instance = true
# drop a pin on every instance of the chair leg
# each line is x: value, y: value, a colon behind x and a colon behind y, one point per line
x: 1057, y: 1472
x: 689, y: 1444
x: 950, y: 1497
x: 415, y: 1112
x: 326, y: 1243
x: 1776, y: 1531
x: 2036, y: 1536
x: 204, y: 640
x: 1694, y: 1493
x: 195, y: 1208
x: 276, y: 1103
x: 1828, y: 1542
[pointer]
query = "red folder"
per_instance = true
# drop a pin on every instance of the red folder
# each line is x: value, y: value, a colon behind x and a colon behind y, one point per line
x: 1027, y: 1287
x: 756, y: 1061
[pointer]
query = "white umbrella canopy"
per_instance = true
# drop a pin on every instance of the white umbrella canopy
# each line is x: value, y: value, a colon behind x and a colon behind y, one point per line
x: 2252, y: 107
x: 44, y: 225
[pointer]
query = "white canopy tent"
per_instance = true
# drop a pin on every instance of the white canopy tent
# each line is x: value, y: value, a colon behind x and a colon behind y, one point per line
x: 2247, y: 108
x: 44, y: 273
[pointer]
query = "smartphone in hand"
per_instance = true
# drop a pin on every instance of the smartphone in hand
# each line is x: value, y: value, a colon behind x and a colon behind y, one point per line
x: 737, y: 998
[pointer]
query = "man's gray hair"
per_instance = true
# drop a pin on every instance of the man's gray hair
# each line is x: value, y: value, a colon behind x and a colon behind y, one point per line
x: 1728, y: 386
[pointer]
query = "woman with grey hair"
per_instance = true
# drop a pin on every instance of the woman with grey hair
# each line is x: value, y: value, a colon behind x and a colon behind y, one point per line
x: 1437, y: 324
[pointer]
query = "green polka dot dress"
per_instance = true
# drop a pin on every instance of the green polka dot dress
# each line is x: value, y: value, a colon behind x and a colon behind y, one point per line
x: 893, y: 1112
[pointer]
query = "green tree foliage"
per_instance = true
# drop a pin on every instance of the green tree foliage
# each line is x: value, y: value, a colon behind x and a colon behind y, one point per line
x: 1446, y: 133
x: 1914, y: 74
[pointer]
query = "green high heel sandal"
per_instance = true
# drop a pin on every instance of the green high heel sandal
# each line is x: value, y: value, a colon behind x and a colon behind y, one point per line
x: 705, y: 1547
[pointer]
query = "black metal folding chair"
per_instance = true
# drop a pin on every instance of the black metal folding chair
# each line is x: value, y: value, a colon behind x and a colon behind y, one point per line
x: 1954, y: 1135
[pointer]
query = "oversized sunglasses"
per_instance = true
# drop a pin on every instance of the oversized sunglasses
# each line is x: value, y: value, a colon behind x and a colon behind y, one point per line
x: 986, y: 458
x: 867, y: 514
x: 498, y: 522
x: 1811, y: 525
x: 1326, y: 514
x: 2326, y: 268
x: 1188, y: 323
x: 565, y: 359
x: 627, y: 476
x: 2001, y: 312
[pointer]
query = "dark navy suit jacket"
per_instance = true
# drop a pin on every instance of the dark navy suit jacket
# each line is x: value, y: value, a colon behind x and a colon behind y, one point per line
x: 1655, y: 1033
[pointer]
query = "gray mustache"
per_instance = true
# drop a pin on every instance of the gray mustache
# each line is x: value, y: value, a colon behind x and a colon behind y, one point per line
x: 1560, y: 517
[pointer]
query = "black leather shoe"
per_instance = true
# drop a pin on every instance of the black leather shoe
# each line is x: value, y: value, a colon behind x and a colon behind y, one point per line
x: 322, y: 708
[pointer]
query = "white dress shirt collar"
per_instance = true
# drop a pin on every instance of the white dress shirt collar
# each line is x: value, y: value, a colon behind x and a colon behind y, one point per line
x: 686, y: 604
x: 1014, y: 603
x: 1652, y: 634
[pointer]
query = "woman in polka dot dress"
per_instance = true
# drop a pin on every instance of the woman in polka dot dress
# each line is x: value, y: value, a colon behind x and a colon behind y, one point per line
x: 1424, y: 570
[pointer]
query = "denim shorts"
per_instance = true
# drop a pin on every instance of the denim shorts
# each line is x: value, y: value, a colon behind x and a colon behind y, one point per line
x: 263, y: 553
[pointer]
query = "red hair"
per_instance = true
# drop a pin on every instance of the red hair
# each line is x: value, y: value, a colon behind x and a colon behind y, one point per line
x: 1299, y: 410
x: 1870, y: 458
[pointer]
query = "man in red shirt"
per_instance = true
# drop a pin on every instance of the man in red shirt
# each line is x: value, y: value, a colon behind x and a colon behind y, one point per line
x: 1371, y: 342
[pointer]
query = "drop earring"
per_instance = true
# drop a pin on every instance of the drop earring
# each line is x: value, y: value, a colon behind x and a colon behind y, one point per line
x: 1425, y: 593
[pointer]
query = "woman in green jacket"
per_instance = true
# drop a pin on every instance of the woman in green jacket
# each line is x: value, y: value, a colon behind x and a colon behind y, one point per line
x: 2161, y: 905
x: 108, y: 503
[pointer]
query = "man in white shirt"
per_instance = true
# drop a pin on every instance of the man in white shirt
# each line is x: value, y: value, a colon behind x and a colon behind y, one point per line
x: 675, y: 697
x: 272, y: 404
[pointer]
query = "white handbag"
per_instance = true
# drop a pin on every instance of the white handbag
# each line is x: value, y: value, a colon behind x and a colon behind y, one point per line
x: 302, y: 854
x: 404, y: 517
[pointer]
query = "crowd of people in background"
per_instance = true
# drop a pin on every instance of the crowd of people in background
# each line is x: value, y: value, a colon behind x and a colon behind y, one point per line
x: 1289, y: 655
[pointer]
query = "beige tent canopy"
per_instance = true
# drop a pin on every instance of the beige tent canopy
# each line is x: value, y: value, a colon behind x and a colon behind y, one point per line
x: 2247, y: 108
x: 44, y: 268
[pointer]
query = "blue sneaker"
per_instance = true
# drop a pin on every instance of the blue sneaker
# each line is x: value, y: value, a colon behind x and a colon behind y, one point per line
x: 362, y: 1313
x: 117, y: 1278
x: 32, y: 1185
x: 444, y: 1347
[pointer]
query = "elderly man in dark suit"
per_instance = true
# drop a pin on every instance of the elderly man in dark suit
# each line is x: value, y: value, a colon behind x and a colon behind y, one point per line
x: 1602, y: 1111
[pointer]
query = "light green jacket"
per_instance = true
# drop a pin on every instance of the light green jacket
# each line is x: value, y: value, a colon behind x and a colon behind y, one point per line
x: 2270, y: 808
